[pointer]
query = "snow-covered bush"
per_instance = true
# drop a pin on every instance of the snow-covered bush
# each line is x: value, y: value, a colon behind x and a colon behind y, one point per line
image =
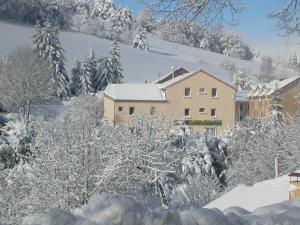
x: 108, y: 209
x: 252, y: 150
x: 141, y: 40
x: 16, y: 143
x: 77, y: 155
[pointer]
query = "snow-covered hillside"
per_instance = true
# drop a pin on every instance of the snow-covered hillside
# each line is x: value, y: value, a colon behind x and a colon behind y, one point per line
x: 261, y: 194
x: 138, y: 65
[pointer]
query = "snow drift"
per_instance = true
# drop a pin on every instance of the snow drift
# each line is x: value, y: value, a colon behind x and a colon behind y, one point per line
x: 109, y: 209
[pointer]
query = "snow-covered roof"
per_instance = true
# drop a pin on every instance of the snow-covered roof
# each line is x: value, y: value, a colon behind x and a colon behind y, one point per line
x: 251, y: 197
x: 241, y: 96
x: 269, y: 88
x: 211, y: 70
x: 175, y: 80
x: 135, y: 92
x: 175, y: 73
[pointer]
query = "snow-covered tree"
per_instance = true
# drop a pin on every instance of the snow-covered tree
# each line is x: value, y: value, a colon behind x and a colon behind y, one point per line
x: 146, y: 21
x: 75, y: 80
x: 293, y: 62
x: 122, y: 21
x: 25, y: 80
x: 47, y: 45
x: 141, y: 40
x: 104, y: 9
x: 267, y: 70
x: 116, y: 63
x: 110, y: 70
x: 234, y: 47
x: 241, y: 79
x: 252, y: 150
x: 207, y: 13
x: 276, y: 107
x: 92, y: 64
x: 86, y: 79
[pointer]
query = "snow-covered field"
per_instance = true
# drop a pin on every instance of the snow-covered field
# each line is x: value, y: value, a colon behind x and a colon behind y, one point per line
x: 138, y: 65
x: 108, y: 210
x: 261, y: 194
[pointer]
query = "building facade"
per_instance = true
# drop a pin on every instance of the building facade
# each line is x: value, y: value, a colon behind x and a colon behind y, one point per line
x: 203, y: 100
x: 260, y: 97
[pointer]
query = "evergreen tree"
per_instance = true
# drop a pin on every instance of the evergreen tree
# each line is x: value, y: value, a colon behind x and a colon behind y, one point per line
x: 116, y: 64
x: 86, y: 78
x: 276, y: 108
x: 92, y: 64
x: 267, y: 70
x: 105, y: 72
x: 141, y: 41
x: 293, y: 63
x: 47, y: 45
x: 75, y: 81
x: 110, y: 70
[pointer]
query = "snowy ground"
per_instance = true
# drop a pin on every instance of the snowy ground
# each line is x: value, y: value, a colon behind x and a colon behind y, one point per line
x: 138, y: 65
x: 112, y: 210
x: 261, y: 194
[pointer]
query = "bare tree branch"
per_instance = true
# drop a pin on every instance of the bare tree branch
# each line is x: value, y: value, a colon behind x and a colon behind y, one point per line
x: 205, y: 12
x: 288, y: 18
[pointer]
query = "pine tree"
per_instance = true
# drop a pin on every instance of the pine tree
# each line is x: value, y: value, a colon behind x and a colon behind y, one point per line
x: 106, y: 75
x: 141, y: 41
x: 47, y: 45
x: 293, y: 63
x: 75, y: 81
x: 276, y: 108
x: 116, y: 64
x: 85, y: 78
x: 92, y: 63
x: 122, y: 21
x: 110, y: 71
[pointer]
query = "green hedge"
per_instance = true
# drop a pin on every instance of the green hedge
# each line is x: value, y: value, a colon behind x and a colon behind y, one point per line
x: 201, y: 122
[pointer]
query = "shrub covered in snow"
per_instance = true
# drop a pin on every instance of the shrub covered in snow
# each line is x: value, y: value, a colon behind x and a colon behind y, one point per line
x: 122, y: 210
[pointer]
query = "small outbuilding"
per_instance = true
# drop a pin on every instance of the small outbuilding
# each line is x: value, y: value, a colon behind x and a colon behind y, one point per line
x: 294, y: 185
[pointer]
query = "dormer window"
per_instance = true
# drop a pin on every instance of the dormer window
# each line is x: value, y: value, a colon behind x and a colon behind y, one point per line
x: 187, y: 92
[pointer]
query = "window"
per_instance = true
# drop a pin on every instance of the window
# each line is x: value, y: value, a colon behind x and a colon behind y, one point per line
x: 214, y: 92
x: 213, y: 113
x: 187, y: 112
x: 131, y: 111
x: 210, y: 131
x: 187, y: 92
x: 152, y: 111
x: 201, y: 110
x: 120, y: 109
x: 202, y: 91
